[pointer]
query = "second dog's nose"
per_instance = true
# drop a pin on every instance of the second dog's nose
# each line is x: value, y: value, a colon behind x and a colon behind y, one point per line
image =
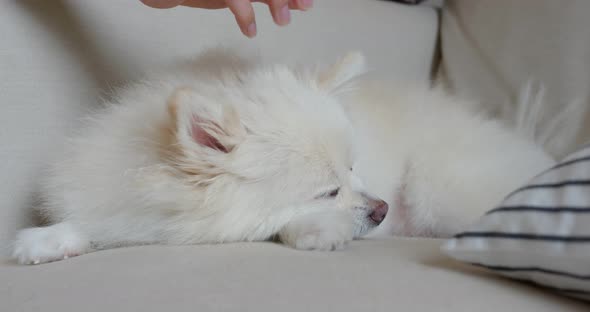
x: 379, y: 211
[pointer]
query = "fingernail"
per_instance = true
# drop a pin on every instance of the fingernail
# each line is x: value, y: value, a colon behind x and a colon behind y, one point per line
x: 251, y: 30
x: 306, y: 4
x: 284, y: 15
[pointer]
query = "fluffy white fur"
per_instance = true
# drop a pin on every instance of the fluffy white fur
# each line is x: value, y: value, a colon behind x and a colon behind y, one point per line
x: 221, y: 150
x: 439, y: 164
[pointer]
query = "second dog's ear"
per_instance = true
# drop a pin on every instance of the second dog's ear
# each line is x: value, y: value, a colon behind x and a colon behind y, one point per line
x: 200, y: 125
x: 347, y: 68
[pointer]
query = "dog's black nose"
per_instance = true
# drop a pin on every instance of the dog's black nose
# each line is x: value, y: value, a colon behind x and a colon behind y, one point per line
x: 379, y: 211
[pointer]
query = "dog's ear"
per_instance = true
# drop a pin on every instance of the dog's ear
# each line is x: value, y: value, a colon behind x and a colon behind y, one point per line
x: 197, y: 125
x: 347, y: 68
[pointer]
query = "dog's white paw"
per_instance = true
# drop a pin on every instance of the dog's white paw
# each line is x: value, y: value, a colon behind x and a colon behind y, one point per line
x: 321, y: 240
x: 318, y: 232
x: 46, y: 244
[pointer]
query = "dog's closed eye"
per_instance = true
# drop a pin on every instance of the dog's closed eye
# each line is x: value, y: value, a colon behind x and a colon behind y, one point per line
x: 330, y: 194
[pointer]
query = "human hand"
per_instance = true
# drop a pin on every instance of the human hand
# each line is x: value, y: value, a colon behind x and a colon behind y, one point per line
x: 241, y: 9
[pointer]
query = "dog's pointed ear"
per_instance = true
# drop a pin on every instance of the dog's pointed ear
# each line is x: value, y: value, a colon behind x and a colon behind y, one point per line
x: 199, y: 125
x: 347, y: 68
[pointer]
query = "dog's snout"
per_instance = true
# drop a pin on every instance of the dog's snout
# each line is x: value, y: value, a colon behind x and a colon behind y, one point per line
x: 379, y: 211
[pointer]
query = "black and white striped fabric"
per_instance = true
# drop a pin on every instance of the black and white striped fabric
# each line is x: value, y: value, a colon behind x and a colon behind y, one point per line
x: 540, y: 233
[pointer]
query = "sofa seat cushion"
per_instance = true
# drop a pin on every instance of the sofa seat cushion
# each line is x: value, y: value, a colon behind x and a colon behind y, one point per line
x: 373, y: 275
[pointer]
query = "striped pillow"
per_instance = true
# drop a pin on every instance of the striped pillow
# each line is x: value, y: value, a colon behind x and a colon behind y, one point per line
x: 540, y: 233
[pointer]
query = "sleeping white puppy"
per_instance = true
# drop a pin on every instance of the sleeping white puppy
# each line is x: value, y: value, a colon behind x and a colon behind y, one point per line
x: 221, y: 150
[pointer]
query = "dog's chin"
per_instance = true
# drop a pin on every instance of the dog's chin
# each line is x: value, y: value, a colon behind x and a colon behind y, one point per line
x: 363, y: 227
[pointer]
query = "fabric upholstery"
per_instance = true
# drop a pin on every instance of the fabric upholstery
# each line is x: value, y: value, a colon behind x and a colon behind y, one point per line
x: 490, y: 49
x: 409, y: 275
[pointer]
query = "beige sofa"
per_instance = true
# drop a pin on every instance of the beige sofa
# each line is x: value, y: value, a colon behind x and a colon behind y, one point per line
x: 59, y: 57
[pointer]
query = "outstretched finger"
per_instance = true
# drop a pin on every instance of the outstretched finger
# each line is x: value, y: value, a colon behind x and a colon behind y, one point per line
x: 300, y: 4
x: 244, y: 13
x: 279, y: 9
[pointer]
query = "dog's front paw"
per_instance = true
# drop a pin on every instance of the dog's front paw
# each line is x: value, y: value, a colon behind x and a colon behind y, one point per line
x: 318, y: 232
x: 322, y: 240
x: 46, y: 244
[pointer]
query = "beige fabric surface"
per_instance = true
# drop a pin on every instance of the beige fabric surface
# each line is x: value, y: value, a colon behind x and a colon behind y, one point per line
x: 491, y: 48
x: 388, y: 275
x: 58, y: 57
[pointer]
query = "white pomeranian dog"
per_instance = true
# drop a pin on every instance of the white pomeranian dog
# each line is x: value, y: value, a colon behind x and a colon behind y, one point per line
x: 223, y: 150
